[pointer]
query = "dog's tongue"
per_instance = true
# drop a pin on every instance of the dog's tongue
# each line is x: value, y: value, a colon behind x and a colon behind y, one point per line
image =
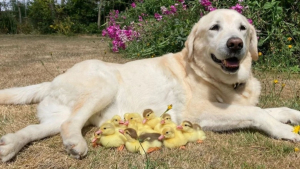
x: 231, y: 63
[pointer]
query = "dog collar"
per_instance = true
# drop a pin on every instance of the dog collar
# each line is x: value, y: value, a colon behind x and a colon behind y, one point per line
x: 236, y: 85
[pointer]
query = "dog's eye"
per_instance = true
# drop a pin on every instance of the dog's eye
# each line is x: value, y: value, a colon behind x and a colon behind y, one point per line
x: 215, y: 27
x: 242, y: 28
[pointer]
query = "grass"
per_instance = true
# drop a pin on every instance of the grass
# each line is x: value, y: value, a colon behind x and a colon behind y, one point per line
x: 27, y: 60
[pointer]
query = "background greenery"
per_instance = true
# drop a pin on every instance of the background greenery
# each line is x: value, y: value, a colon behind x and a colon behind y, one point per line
x: 277, y: 23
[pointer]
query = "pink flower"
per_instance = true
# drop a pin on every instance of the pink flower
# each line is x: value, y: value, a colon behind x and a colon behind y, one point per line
x: 250, y: 21
x: 133, y: 5
x: 238, y: 8
x: 176, y: 4
x: 124, y: 17
x: 210, y: 8
x: 181, y: 1
x: 157, y: 17
x: 184, y: 7
x: 104, y: 32
x: 163, y: 9
x: 140, y: 19
x: 173, y: 9
x: 205, y: 3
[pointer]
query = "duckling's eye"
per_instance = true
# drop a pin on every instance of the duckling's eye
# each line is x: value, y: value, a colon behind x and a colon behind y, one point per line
x: 167, y: 132
x: 104, y: 128
x: 148, y: 115
x: 131, y: 118
x: 186, y: 125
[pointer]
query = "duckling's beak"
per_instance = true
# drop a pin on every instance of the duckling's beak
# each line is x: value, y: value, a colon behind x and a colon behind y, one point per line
x: 98, y: 132
x: 121, y: 131
x: 162, y: 122
x: 161, y: 137
x: 94, y: 140
x: 144, y: 121
x: 179, y: 127
x: 121, y: 122
x: 126, y: 123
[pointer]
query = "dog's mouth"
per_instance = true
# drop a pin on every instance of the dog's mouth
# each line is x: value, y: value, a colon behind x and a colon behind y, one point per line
x: 229, y: 65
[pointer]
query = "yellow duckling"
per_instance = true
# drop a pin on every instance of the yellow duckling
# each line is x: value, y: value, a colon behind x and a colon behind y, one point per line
x: 150, y: 118
x: 145, y: 143
x: 166, y: 121
x: 96, y: 139
x: 201, y: 133
x: 192, y: 132
x: 134, y: 120
x: 117, y: 122
x: 111, y: 137
x: 172, y: 138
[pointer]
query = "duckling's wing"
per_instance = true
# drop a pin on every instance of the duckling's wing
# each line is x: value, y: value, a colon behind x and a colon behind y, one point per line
x: 148, y: 137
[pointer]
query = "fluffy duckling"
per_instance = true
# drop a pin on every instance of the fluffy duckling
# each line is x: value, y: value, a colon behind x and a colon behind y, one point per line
x: 117, y: 122
x: 166, y: 121
x: 172, y: 138
x: 192, y: 132
x: 150, y: 118
x: 111, y: 137
x: 96, y: 139
x: 134, y: 120
x: 201, y: 133
x: 145, y: 143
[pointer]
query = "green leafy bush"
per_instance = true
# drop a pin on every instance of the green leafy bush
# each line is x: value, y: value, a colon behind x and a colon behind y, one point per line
x: 277, y: 23
x: 8, y: 23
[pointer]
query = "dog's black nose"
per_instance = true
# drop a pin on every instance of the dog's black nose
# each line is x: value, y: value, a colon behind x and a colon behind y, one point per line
x: 234, y: 44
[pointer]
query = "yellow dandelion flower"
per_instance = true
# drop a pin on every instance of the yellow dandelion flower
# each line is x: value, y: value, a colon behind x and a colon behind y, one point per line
x: 289, y: 38
x: 148, y: 44
x: 152, y: 56
x: 290, y: 46
x: 170, y: 106
x: 259, y: 53
x: 296, y: 149
x: 283, y: 85
x: 296, y: 129
x: 138, y: 55
x: 275, y: 81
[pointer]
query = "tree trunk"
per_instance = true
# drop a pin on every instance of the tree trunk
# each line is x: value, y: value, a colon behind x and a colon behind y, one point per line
x: 20, y: 15
x: 99, y: 14
x: 52, y: 9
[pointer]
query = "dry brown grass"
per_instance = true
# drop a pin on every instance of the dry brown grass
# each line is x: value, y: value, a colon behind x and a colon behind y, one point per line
x: 26, y: 60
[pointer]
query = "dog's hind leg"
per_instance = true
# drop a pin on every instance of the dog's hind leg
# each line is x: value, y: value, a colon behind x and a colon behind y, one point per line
x: 12, y: 143
x: 51, y: 116
x: 86, y: 106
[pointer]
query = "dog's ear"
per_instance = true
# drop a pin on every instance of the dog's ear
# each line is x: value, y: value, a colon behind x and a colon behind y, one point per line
x: 253, y: 43
x: 189, y: 43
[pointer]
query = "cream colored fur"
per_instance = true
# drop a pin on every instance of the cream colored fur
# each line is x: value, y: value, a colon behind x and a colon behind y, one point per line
x: 91, y: 92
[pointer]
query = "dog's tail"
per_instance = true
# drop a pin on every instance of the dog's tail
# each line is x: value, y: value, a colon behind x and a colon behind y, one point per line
x: 25, y: 95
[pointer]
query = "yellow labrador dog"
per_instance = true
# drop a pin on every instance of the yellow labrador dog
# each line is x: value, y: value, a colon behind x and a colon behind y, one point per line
x: 209, y: 82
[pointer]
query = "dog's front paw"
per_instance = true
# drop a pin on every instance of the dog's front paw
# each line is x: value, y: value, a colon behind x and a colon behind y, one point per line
x: 285, y: 132
x: 76, y: 147
x: 9, y: 146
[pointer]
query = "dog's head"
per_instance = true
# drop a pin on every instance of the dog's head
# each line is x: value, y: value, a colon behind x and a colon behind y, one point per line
x: 225, y: 41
